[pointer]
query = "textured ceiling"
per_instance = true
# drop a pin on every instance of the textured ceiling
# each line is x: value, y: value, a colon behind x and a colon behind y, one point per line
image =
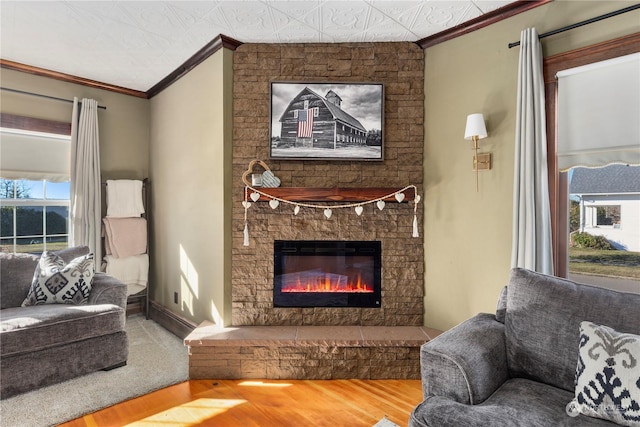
x: 135, y: 44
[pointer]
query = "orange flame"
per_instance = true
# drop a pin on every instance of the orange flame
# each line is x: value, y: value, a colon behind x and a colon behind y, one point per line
x: 324, y: 283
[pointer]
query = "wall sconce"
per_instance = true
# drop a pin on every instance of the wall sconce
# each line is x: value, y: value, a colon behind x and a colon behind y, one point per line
x: 474, y: 131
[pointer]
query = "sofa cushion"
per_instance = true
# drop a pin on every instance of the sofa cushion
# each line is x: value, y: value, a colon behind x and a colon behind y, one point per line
x: 33, y: 328
x: 608, y: 375
x: 543, y: 319
x: 57, y: 282
x: 517, y: 403
x: 16, y: 273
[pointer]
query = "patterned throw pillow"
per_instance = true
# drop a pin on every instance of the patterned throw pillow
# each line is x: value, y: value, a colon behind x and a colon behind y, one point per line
x: 607, y: 375
x: 57, y: 283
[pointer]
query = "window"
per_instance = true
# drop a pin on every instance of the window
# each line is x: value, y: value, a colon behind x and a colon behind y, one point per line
x: 34, y: 215
x: 316, y: 112
x: 572, y: 209
x: 34, y: 184
x: 604, y: 215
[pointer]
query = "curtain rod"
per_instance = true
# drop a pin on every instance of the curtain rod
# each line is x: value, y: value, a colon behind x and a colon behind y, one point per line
x: 55, y: 98
x: 580, y: 24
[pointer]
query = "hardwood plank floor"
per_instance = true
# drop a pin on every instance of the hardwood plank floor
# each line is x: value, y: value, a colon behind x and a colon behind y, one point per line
x: 267, y: 403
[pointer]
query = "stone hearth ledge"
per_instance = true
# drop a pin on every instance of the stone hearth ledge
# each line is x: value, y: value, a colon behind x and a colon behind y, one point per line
x: 208, y: 334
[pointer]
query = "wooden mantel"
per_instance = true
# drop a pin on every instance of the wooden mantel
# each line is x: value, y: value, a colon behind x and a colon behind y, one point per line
x: 335, y: 194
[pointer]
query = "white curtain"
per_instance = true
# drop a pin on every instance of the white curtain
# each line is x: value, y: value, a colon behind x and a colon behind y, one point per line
x: 531, y: 246
x: 85, y: 204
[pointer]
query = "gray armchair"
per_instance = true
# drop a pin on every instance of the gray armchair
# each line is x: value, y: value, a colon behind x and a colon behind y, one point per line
x: 518, y: 367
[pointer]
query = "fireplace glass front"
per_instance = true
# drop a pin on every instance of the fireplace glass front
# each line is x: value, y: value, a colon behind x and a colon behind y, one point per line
x: 327, y: 273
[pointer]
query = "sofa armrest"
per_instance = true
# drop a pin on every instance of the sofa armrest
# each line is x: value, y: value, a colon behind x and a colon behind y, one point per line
x: 107, y: 289
x: 466, y: 363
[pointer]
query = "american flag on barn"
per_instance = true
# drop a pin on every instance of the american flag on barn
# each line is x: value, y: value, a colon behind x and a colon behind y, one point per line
x: 305, y: 123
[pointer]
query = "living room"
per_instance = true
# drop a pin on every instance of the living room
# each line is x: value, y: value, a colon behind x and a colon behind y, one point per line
x: 195, y: 138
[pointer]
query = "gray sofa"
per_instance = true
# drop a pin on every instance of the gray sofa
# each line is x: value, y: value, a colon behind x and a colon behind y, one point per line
x: 46, y: 344
x: 518, y: 367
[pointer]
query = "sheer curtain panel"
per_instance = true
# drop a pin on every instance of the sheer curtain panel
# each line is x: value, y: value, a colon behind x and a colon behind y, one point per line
x: 85, y: 204
x: 532, y: 245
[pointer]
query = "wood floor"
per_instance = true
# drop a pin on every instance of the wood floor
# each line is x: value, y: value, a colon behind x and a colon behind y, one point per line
x: 268, y: 403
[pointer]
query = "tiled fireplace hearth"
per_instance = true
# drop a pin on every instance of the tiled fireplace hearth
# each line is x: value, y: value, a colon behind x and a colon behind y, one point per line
x: 271, y: 341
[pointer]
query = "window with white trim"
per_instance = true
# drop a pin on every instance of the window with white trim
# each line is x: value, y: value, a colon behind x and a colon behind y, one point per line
x: 34, y: 215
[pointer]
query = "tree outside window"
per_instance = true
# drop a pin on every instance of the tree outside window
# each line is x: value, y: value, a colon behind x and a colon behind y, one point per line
x: 34, y: 215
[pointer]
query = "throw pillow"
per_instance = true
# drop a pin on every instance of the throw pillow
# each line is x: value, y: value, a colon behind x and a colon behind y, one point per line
x: 607, y: 375
x: 55, y: 282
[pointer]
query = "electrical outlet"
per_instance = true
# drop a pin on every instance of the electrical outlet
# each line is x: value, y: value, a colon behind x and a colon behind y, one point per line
x: 175, y: 297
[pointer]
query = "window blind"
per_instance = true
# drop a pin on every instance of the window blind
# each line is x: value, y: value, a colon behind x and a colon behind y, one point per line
x: 34, y: 155
x: 599, y: 113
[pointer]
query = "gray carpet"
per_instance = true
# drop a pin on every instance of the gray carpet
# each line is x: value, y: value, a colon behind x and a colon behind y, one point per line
x: 157, y: 358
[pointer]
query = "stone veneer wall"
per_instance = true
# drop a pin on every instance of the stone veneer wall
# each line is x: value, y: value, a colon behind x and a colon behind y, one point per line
x: 400, y: 67
x: 313, y: 362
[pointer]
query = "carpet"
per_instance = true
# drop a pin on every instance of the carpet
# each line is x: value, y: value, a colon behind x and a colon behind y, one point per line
x: 157, y: 359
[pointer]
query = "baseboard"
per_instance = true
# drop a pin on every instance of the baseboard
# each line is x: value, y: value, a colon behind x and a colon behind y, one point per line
x: 172, y: 322
x: 135, y: 306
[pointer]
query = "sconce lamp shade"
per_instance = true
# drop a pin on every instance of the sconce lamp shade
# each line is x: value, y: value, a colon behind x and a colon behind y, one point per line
x: 475, y: 126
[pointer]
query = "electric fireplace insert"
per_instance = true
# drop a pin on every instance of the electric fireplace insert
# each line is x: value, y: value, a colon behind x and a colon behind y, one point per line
x: 327, y: 273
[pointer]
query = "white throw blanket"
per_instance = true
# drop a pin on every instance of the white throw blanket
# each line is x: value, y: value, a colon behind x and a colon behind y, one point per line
x: 133, y: 271
x: 124, y: 198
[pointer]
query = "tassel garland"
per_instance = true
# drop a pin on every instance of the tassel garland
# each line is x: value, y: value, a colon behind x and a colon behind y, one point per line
x: 274, y: 202
x: 246, y: 235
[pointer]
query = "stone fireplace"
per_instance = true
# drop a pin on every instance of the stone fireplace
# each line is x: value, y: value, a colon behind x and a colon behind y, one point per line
x: 399, y: 67
x: 276, y: 342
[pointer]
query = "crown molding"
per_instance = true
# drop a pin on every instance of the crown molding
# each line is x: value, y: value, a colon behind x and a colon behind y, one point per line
x: 481, y: 21
x: 219, y: 42
x: 43, y: 72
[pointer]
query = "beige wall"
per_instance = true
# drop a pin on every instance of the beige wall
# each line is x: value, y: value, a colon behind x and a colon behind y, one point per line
x: 468, y: 234
x: 124, y: 125
x: 191, y: 176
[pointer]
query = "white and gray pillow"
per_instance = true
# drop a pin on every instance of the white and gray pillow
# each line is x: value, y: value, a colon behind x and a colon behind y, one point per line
x: 57, y: 282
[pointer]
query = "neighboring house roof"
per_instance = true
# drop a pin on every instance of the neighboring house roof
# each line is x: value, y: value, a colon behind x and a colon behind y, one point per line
x: 337, y: 112
x: 611, y: 179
